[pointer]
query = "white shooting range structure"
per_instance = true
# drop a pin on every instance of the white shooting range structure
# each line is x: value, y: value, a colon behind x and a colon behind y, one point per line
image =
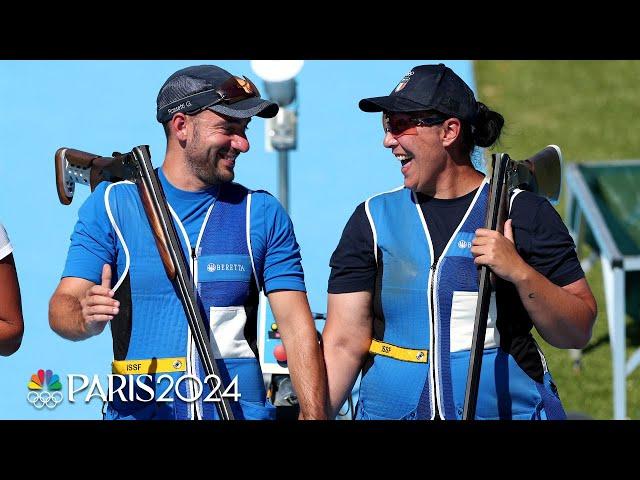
x: 603, y: 206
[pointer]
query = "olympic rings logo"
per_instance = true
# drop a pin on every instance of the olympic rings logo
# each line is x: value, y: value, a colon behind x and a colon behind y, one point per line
x: 44, y: 399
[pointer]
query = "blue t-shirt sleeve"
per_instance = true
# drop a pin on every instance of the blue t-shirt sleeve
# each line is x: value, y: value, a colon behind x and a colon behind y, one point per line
x: 282, y: 260
x: 93, y: 241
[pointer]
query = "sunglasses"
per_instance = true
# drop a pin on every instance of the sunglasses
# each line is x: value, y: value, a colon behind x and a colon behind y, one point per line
x: 235, y: 89
x: 398, y: 126
x: 232, y: 90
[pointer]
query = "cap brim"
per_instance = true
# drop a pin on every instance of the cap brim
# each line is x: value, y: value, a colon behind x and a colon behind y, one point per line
x: 390, y: 104
x: 248, y: 108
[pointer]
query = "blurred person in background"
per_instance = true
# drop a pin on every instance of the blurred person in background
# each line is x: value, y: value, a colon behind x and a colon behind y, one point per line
x: 11, y: 322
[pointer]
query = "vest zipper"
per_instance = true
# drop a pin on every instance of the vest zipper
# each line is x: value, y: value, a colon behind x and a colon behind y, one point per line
x: 194, y: 259
x: 434, y: 353
x: 195, y: 408
x: 435, y: 377
x: 196, y: 416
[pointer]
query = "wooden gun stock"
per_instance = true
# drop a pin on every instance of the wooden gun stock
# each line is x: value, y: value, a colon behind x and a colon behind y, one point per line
x: 75, y: 166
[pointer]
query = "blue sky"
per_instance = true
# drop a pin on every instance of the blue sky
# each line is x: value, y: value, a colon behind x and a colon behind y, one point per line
x: 106, y: 106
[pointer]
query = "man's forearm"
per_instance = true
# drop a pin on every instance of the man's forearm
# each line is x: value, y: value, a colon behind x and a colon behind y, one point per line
x: 304, y: 357
x: 564, y: 320
x: 308, y: 375
x: 65, y: 317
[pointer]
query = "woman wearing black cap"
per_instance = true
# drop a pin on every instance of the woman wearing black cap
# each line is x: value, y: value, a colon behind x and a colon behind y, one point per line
x: 11, y: 324
x: 404, y: 280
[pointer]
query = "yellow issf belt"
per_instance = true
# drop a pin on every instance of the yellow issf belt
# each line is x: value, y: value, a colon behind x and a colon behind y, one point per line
x: 399, y: 353
x: 154, y: 365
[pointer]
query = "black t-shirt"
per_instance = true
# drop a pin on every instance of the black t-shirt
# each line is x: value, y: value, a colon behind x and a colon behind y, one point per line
x: 540, y: 235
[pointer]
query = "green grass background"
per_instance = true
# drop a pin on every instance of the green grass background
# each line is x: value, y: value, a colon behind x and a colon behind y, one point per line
x: 591, y: 109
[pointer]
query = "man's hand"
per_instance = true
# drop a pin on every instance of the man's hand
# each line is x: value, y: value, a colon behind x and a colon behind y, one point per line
x: 498, y: 252
x: 80, y: 309
x: 98, y: 305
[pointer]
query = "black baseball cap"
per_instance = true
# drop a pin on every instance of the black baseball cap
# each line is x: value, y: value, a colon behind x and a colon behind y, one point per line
x: 428, y: 87
x: 208, y: 86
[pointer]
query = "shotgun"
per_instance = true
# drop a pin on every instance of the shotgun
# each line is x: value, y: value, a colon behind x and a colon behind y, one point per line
x: 540, y: 174
x: 75, y: 166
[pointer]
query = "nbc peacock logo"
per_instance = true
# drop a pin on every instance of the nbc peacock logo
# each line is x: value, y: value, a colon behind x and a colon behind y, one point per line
x: 44, y: 390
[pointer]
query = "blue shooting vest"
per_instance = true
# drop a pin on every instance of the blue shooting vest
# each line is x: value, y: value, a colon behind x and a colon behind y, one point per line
x: 151, y: 333
x: 424, y: 311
